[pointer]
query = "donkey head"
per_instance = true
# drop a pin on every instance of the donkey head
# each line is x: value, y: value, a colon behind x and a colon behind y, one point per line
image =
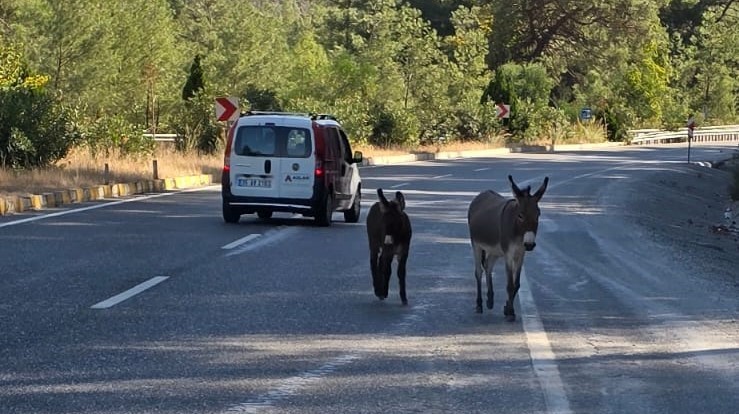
x: 392, y: 215
x: 527, y: 217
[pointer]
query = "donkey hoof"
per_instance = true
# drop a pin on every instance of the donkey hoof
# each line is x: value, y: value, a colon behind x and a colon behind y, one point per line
x: 490, y: 304
x: 510, y: 318
x: 405, y: 302
x: 478, y: 309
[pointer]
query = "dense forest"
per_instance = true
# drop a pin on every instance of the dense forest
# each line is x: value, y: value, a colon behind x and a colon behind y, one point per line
x: 97, y: 73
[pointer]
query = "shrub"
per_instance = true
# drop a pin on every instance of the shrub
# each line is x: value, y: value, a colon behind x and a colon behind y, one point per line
x: 35, y: 130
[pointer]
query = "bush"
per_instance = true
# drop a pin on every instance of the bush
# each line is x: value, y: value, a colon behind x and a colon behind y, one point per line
x: 115, y: 135
x: 35, y: 131
x: 196, y: 126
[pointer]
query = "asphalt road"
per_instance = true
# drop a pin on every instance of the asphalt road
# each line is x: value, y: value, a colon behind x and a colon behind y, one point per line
x: 279, y: 316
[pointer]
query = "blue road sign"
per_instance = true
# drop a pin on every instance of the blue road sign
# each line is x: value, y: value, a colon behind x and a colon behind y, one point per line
x: 586, y: 114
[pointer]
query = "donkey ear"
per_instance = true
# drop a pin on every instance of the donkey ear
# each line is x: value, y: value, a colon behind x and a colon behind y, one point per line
x: 540, y: 192
x: 400, y: 198
x: 384, y: 204
x: 516, y: 191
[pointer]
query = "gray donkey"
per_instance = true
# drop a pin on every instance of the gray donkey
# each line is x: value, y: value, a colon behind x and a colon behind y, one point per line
x: 389, y: 234
x: 501, y: 227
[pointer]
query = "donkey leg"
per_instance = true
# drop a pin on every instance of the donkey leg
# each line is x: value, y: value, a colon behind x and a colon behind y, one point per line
x: 488, y: 265
x: 374, y: 267
x: 386, y: 270
x: 401, y: 275
x: 514, y: 283
x: 478, y: 254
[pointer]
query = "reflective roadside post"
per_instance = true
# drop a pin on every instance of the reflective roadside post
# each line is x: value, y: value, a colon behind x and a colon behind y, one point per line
x: 691, y: 128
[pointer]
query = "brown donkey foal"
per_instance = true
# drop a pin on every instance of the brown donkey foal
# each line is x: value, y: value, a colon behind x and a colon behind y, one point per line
x: 501, y: 227
x: 389, y: 235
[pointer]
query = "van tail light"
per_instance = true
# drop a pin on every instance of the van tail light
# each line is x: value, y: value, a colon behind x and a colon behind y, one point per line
x: 229, y: 143
x: 319, y: 169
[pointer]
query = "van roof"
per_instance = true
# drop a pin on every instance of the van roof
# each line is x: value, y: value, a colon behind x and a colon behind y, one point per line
x: 320, y: 119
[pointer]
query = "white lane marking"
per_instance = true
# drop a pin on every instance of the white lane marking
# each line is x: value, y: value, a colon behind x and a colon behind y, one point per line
x: 399, y: 185
x: 276, y: 234
x: 129, y: 293
x: 108, y: 204
x: 482, y: 169
x: 542, y: 358
x: 240, y: 241
x: 291, y: 386
x: 441, y: 176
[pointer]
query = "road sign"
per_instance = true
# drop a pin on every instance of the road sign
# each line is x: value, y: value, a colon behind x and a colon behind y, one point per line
x: 503, y: 110
x: 227, y: 108
x: 586, y: 114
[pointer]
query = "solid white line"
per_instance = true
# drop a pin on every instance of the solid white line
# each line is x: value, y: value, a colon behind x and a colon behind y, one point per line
x: 129, y: 293
x: 240, y: 241
x: 542, y: 358
x: 482, y: 169
x: 96, y: 206
x: 399, y: 185
x: 441, y: 176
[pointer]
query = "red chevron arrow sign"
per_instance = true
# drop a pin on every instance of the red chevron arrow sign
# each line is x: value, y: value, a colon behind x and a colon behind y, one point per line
x: 503, y: 110
x: 227, y: 108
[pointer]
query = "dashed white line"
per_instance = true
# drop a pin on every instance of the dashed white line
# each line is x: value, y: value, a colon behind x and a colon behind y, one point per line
x: 482, y: 169
x: 240, y: 241
x: 399, y: 185
x: 292, y: 386
x: 129, y: 293
x: 441, y: 176
x: 542, y: 358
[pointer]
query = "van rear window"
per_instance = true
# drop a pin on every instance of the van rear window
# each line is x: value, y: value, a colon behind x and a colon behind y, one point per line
x: 273, y: 141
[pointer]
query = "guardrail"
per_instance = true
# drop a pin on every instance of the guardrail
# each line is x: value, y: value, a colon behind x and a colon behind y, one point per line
x: 723, y: 133
x: 162, y: 137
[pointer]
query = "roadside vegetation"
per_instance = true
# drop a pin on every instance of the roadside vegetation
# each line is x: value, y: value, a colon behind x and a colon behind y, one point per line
x: 81, y: 81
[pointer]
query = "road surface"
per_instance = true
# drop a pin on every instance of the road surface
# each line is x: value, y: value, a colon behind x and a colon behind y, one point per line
x: 155, y: 305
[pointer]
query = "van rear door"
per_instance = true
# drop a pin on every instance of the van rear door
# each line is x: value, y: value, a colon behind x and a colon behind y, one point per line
x: 255, y: 161
x: 298, y: 163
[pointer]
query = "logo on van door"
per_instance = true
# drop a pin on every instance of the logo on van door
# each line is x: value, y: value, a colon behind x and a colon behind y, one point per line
x: 296, y: 166
x: 297, y: 178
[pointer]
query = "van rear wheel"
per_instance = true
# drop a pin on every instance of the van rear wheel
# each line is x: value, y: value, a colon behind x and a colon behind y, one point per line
x: 230, y: 214
x: 325, y: 212
x: 352, y: 215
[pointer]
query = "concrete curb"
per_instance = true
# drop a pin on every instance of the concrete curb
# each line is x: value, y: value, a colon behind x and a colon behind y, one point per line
x: 34, y: 202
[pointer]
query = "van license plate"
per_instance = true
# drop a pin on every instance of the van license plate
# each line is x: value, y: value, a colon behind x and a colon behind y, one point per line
x: 255, y: 182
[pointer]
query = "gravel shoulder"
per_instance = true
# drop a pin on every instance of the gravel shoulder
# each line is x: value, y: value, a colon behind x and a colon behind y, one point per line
x: 682, y: 208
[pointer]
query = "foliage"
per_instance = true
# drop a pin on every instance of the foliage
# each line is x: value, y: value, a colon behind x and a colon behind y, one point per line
x: 194, y: 84
x: 394, y: 72
x: 34, y: 129
x: 197, y: 128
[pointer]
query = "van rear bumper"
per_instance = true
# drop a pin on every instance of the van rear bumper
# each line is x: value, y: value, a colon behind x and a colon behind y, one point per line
x: 275, y: 204
x: 249, y: 205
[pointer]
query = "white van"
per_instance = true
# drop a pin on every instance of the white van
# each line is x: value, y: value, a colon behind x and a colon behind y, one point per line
x: 300, y: 163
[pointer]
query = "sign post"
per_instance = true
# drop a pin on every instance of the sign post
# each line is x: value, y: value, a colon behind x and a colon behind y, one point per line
x: 691, y: 128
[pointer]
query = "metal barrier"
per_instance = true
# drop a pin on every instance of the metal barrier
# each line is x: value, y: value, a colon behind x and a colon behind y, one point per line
x: 162, y: 137
x: 723, y: 133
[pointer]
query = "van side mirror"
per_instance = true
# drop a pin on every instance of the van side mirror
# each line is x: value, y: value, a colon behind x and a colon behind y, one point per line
x: 357, y: 157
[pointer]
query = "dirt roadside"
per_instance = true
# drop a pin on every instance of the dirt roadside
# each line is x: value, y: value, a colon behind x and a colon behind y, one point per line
x: 683, y: 209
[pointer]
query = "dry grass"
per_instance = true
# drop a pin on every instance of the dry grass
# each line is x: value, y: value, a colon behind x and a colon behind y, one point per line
x: 80, y: 169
